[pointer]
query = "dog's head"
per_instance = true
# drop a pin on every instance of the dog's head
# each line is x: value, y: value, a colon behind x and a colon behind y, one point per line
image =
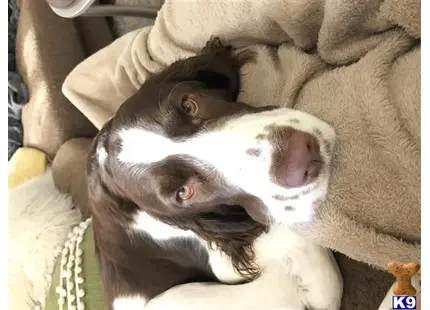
x: 183, y: 150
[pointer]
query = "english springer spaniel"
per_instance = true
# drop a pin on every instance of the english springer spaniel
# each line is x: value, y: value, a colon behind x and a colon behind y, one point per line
x: 188, y: 185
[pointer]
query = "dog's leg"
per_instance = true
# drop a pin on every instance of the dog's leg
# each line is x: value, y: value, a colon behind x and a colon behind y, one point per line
x: 275, y: 289
x: 321, y: 284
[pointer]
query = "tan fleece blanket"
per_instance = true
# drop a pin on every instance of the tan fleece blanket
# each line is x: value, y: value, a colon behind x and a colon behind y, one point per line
x: 355, y: 64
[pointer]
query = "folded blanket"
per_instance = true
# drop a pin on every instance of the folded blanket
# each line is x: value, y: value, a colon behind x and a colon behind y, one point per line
x: 355, y: 64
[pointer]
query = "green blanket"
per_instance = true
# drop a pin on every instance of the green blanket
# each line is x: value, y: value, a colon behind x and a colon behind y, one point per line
x: 89, y: 293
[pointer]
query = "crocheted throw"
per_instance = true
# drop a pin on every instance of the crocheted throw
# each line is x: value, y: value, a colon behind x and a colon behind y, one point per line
x: 75, y: 280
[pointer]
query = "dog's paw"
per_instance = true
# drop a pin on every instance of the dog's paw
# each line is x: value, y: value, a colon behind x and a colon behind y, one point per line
x: 215, y: 44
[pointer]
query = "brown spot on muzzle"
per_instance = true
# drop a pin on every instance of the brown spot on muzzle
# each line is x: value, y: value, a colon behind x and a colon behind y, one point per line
x: 260, y: 137
x: 280, y: 197
x: 327, y: 146
x: 284, y: 198
x: 253, y: 152
x: 318, y: 133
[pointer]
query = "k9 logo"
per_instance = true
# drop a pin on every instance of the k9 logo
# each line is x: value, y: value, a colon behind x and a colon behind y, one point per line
x: 404, y: 302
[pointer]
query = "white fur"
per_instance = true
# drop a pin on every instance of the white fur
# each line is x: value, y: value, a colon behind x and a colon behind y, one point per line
x: 158, y: 230
x: 39, y: 218
x: 101, y: 155
x: 225, y: 149
x: 129, y: 303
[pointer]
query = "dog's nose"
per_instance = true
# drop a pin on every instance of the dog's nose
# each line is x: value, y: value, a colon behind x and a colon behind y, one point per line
x: 302, y: 159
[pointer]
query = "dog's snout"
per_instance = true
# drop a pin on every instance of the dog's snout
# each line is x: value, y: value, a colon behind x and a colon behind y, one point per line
x: 302, y: 159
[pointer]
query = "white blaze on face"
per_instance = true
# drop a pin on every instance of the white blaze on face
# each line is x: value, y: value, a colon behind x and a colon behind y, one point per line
x: 225, y: 149
x: 101, y: 155
x: 158, y: 230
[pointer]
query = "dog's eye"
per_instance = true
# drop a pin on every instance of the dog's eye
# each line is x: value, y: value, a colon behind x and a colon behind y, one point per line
x: 185, y: 193
x: 189, y: 107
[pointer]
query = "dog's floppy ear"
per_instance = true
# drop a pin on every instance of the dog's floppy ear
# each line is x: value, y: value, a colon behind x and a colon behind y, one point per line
x: 217, y: 67
x: 232, y: 230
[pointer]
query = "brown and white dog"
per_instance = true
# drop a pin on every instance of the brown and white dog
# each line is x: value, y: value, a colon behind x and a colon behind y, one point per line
x: 188, y: 185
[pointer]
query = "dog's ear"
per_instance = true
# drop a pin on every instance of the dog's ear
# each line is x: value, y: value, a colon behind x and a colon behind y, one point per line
x: 217, y: 67
x: 233, y: 231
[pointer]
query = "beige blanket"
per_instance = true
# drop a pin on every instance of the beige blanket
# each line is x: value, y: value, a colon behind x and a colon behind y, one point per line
x: 355, y: 64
